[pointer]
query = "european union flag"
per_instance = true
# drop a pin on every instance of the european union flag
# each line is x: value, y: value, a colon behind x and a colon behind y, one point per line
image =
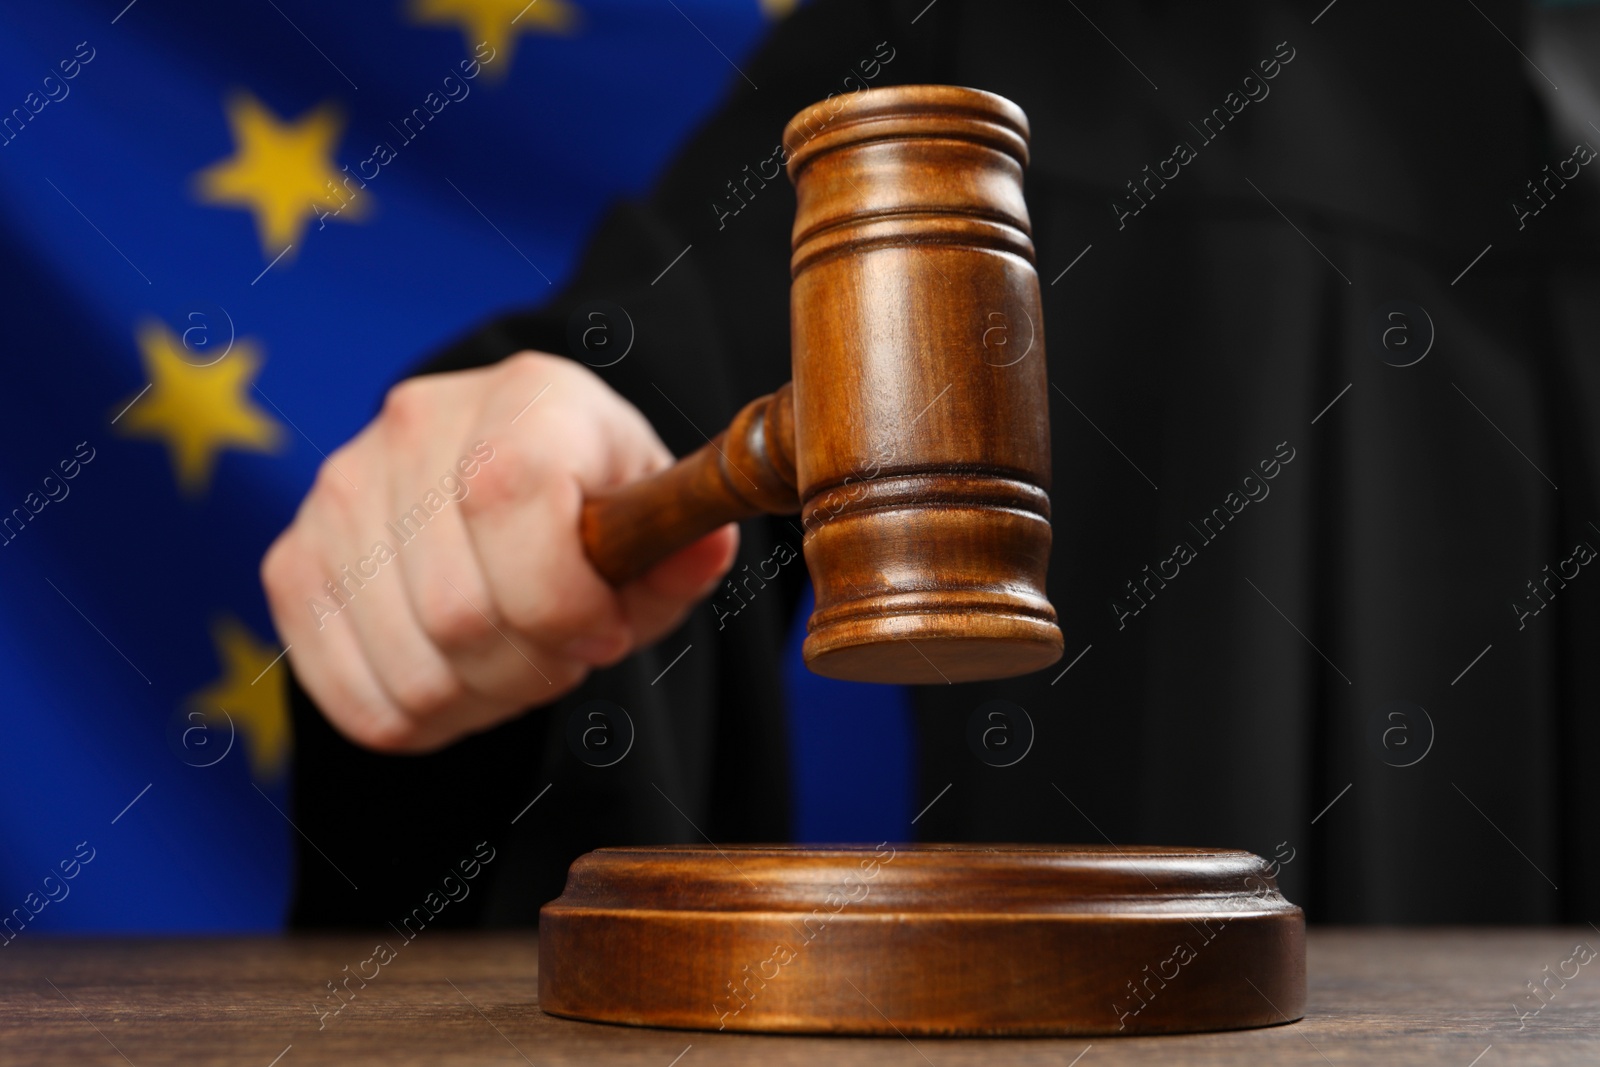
x: 228, y: 229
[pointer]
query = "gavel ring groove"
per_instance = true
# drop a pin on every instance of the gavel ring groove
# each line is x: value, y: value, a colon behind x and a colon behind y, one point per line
x: 914, y: 438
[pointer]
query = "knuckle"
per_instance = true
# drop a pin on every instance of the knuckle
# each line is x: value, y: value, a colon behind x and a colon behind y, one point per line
x: 332, y: 485
x: 550, y: 619
x: 408, y: 405
x: 555, y: 677
x: 533, y: 617
x: 449, y: 620
x: 575, y: 393
x: 513, y: 478
x: 275, y: 568
x: 564, y: 678
x: 528, y: 365
x: 287, y: 571
x: 427, y: 690
x: 389, y: 734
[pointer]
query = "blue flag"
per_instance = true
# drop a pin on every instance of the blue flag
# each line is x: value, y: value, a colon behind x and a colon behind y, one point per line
x: 228, y: 229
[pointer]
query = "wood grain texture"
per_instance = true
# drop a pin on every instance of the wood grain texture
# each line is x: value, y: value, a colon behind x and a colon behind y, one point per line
x: 954, y: 939
x: 922, y: 436
x: 1400, y: 998
x: 916, y: 443
x: 745, y: 471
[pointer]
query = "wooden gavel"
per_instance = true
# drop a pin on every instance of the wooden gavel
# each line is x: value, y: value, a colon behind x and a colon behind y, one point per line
x: 914, y: 439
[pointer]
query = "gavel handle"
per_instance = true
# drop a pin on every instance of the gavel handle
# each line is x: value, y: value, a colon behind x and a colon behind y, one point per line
x: 747, y: 470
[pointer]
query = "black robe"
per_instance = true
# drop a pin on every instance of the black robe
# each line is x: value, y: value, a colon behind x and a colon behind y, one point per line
x: 1205, y: 308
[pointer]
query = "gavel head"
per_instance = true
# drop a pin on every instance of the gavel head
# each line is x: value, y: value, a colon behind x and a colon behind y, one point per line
x: 921, y: 421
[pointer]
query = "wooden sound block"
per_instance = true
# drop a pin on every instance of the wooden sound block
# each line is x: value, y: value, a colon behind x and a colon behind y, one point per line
x: 923, y: 939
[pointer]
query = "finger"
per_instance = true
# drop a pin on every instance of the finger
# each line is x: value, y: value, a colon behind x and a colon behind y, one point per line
x: 659, y: 600
x: 523, y: 515
x: 325, y: 655
x: 448, y: 591
x: 414, y: 674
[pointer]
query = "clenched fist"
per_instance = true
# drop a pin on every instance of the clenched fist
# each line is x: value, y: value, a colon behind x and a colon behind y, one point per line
x: 433, y: 583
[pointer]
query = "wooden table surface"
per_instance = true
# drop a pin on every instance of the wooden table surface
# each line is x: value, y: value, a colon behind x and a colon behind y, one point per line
x: 1390, y: 997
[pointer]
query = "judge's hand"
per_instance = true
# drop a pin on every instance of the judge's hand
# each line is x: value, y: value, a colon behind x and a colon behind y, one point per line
x: 433, y: 583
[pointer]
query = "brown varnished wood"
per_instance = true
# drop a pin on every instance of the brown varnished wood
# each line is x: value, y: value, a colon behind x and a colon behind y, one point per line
x: 1400, y: 998
x: 916, y: 443
x: 952, y: 939
x: 746, y: 470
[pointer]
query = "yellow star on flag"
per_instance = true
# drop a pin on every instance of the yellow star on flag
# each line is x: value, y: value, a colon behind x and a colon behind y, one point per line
x: 252, y: 695
x: 198, y: 410
x: 283, y: 171
x: 496, y: 23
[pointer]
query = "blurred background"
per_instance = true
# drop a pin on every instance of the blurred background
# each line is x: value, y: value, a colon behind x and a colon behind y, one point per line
x: 326, y: 195
x: 176, y: 180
